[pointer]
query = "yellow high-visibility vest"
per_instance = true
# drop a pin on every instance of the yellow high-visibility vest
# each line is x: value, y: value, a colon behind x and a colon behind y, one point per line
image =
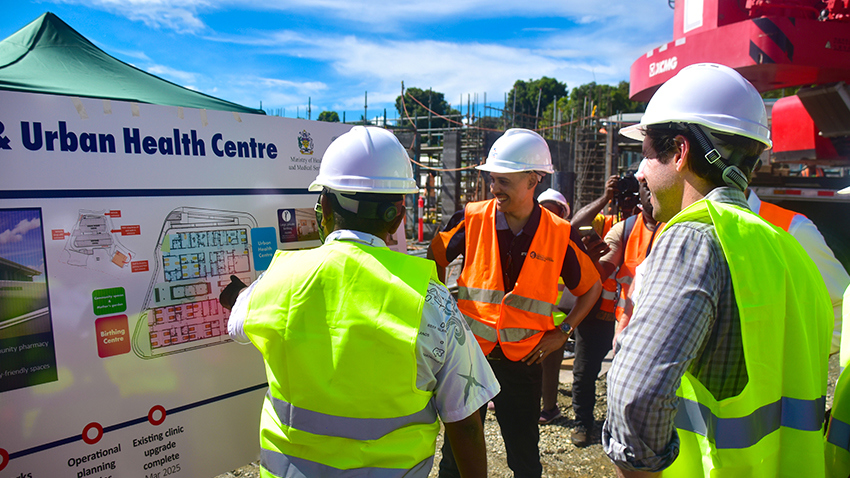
x: 337, y: 327
x: 837, y: 439
x: 774, y: 427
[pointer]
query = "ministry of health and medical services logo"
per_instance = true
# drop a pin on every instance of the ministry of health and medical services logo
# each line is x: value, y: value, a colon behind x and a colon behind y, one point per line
x: 305, y: 142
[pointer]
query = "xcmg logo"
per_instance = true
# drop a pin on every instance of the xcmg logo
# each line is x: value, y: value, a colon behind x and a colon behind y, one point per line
x: 663, y: 66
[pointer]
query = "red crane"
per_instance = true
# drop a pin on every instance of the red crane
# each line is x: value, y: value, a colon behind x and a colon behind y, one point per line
x: 774, y: 44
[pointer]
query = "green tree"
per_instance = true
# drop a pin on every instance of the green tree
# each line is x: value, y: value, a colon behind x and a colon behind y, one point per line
x: 437, y: 102
x: 329, y: 116
x: 780, y: 93
x: 608, y: 100
x: 525, y: 111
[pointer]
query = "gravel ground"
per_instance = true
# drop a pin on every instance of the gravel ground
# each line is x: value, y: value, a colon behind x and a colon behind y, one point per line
x: 561, y: 459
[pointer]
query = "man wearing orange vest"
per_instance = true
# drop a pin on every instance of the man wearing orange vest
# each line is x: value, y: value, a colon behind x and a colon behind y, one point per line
x: 514, y: 251
x: 629, y: 242
x: 808, y: 235
x: 594, y: 335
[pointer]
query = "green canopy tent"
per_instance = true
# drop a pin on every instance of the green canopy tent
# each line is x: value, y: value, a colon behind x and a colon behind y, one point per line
x: 48, y: 56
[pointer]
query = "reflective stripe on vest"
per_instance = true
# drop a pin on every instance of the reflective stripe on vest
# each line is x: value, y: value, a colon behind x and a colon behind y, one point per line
x: 480, y: 295
x: 516, y: 319
x: 489, y: 333
x: 481, y: 330
x: 773, y: 427
x: 610, y: 287
x: 743, y: 432
x: 610, y: 294
x: 346, y: 427
x: 839, y: 434
x: 528, y: 304
x: 324, y: 407
x: 283, y: 466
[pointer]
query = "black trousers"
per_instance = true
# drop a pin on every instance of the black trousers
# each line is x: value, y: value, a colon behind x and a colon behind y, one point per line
x: 593, y: 342
x: 517, y: 411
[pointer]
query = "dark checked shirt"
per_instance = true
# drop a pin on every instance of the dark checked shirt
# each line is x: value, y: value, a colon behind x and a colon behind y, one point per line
x: 685, y: 319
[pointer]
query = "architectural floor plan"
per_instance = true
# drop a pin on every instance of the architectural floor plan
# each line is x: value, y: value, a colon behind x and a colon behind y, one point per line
x: 198, y: 251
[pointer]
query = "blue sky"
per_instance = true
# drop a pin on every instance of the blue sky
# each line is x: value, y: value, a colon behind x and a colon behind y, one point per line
x: 332, y: 51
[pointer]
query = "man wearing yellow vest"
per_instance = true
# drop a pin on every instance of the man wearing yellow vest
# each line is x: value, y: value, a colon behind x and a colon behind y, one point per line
x: 514, y: 251
x: 722, y: 370
x: 363, y: 346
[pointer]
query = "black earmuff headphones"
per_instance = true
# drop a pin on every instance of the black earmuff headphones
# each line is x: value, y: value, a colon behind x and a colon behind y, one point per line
x: 386, y: 211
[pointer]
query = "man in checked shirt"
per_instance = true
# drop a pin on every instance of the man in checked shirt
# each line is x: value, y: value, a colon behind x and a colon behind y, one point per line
x: 722, y: 370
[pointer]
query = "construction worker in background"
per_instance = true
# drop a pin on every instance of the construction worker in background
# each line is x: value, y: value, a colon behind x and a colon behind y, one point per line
x: 591, y: 215
x: 363, y: 346
x: 723, y: 368
x: 557, y: 204
x: 837, y: 439
x: 811, y: 171
x: 805, y: 231
x: 593, y: 211
x: 594, y: 335
x: 514, y: 251
x: 629, y: 242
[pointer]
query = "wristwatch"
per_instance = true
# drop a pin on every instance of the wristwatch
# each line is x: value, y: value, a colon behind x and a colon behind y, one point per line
x: 565, y: 328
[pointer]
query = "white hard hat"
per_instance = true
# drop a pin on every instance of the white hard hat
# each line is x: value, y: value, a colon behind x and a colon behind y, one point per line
x: 518, y: 150
x: 711, y: 95
x: 366, y: 159
x: 553, y: 195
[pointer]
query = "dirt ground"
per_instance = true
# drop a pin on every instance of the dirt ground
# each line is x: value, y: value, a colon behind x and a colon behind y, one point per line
x: 561, y: 459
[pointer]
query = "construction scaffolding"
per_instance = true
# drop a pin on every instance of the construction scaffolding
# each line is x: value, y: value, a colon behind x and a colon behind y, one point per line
x: 444, y: 158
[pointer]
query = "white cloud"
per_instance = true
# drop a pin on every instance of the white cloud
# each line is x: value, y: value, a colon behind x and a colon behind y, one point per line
x: 454, y: 68
x: 16, y: 234
x: 398, y: 15
x: 177, y: 76
x: 596, y: 43
x: 178, y: 15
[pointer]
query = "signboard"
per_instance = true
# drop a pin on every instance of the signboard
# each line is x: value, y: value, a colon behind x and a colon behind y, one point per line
x: 120, y: 224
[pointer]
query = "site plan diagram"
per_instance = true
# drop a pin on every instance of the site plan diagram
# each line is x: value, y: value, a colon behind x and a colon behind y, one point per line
x: 197, y: 252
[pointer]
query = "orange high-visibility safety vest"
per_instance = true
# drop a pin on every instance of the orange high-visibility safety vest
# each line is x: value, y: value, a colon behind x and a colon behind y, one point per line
x: 609, y: 285
x: 638, y: 244
x: 609, y: 295
x: 515, y: 320
x: 778, y: 216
